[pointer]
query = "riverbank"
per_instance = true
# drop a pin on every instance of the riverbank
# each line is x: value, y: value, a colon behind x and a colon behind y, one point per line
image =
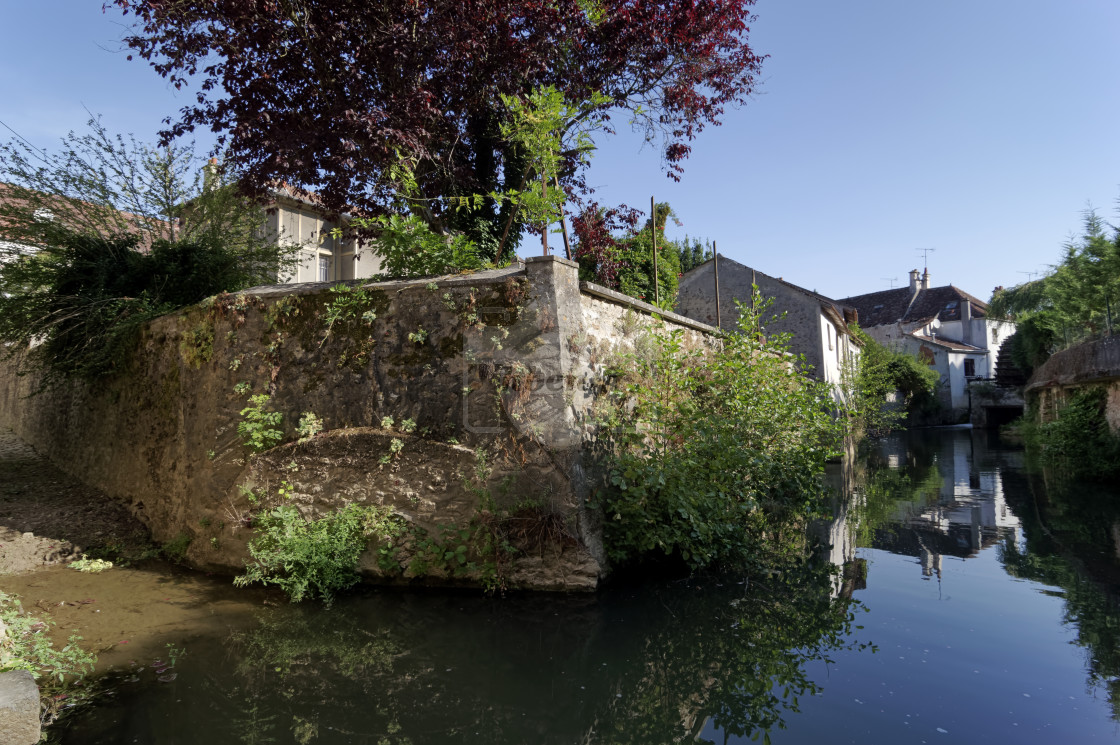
x: 127, y: 615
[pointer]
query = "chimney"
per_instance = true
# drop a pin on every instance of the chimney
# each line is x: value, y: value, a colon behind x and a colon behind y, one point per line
x: 914, y: 281
x: 925, y: 280
x: 212, y: 174
x: 966, y: 321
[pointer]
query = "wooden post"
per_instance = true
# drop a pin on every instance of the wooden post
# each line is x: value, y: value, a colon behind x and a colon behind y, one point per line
x: 715, y: 265
x: 544, y: 230
x: 653, y: 235
x: 563, y: 224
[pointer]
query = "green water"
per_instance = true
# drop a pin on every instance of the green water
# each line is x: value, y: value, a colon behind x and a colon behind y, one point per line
x: 965, y: 601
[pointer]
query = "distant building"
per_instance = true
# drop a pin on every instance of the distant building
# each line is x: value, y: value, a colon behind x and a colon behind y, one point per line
x: 818, y: 324
x: 945, y: 327
x: 296, y: 217
x: 292, y: 216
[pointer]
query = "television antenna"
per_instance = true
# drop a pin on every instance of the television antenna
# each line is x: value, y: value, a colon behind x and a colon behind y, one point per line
x: 1030, y: 275
x: 892, y: 280
x: 925, y: 252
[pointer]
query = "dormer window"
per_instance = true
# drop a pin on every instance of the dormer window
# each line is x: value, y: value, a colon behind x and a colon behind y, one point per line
x: 951, y: 305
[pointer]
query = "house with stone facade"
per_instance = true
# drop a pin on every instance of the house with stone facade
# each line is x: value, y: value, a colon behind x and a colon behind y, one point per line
x: 945, y: 327
x: 819, y: 325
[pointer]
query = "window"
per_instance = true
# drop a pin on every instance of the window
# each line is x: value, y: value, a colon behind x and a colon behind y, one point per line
x: 324, y: 268
x: 970, y: 368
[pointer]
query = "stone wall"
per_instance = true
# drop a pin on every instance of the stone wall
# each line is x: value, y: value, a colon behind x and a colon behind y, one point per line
x: 1095, y: 363
x: 454, y: 401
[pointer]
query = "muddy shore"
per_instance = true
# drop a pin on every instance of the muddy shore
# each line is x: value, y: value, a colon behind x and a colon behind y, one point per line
x: 127, y: 615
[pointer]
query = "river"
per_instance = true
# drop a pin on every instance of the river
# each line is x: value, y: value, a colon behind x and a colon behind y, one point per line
x: 965, y: 601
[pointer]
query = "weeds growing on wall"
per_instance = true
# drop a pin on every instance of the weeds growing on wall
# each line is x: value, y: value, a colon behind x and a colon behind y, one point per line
x: 259, y: 428
x: 715, y: 456
x: 1078, y: 443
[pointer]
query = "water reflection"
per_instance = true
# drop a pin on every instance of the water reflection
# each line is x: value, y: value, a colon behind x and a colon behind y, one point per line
x: 652, y: 664
x: 1071, y: 542
x: 992, y: 596
x: 936, y: 494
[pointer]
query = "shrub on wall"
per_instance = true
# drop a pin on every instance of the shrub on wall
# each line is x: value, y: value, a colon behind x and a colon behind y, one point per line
x: 878, y: 372
x: 715, y: 456
x: 108, y: 233
x: 1078, y: 442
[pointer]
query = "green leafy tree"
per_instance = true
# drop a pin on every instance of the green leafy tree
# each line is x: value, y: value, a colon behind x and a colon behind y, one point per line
x: 613, y: 250
x: 109, y: 233
x: 691, y: 252
x: 408, y: 247
x: 1077, y: 300
x: 715, y: 454
x: 878, y: 372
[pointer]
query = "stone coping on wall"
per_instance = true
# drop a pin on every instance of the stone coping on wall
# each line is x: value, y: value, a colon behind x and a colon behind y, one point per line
x: 605, y: 293
x: 1092, y: 361
x: 487, y: 277
x: 483, y: 277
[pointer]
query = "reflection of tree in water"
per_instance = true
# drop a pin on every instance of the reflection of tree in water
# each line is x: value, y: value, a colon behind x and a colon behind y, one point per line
x: 889, y: 498
x: 649, y: 665
x: 290, y: 669
x: 732, y: 659
x: 1070, y: 544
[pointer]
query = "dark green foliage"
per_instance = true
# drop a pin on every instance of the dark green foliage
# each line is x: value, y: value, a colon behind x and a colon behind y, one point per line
x: 1078, y: 443
x: 691, y: 253
x: 82, y: 298
x: 636, y: 276
x: 716, y: 455
x: 109, y: 233
x: 1078, y: 300
x: 879, y: 372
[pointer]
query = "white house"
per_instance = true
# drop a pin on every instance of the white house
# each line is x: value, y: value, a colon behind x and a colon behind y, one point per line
x: 945, y: 327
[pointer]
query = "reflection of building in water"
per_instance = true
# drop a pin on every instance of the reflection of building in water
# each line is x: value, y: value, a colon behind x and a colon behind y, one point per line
x: 837, y: 537
x: 965, y: 515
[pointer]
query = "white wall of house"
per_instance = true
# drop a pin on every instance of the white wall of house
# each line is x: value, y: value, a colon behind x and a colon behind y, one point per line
x: 837, y: 351
x: 322, y: 257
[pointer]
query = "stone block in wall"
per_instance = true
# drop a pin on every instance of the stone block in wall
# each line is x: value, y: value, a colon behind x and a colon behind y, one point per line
x: 19, y: 708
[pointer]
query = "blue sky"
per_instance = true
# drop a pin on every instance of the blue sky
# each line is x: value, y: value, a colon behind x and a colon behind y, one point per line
x: 979, y: 129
